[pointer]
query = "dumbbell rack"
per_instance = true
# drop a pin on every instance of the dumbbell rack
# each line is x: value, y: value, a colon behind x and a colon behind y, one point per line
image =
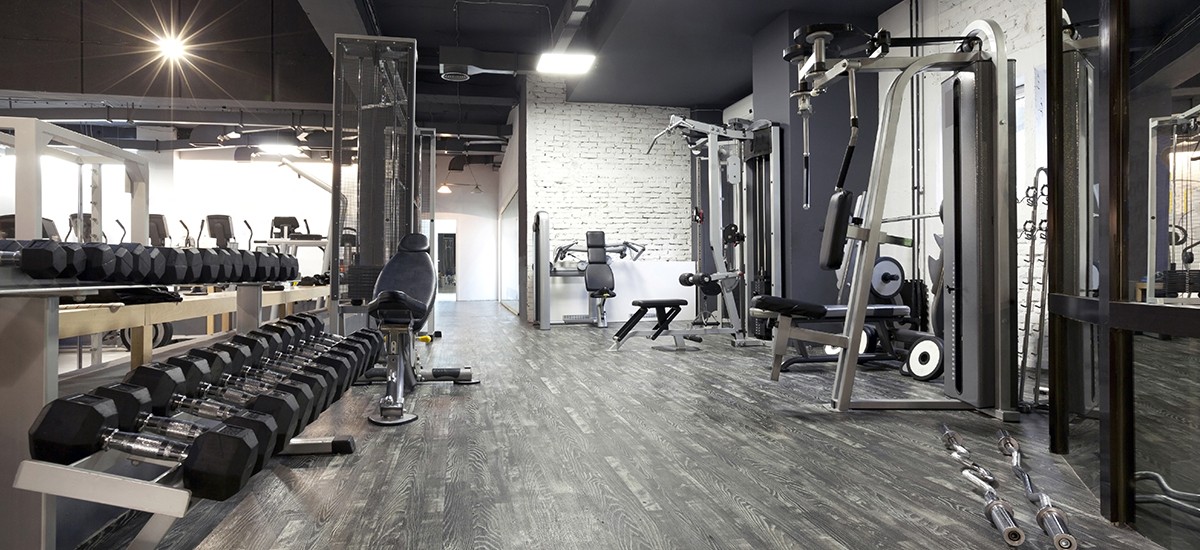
x: 30, y: 324
x: 87, y: 480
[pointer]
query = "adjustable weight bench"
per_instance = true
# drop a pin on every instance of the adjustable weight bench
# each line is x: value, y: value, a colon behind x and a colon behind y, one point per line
x: 404, y: 296
x: 793, y: 314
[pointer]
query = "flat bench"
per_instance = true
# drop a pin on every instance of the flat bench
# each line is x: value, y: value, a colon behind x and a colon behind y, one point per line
x: 792, y: 314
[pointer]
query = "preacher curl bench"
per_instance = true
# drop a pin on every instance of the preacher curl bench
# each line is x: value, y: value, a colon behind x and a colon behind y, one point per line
x: 404, y: 295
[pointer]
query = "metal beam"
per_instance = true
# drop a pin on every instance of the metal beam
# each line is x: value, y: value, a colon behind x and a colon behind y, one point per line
x: 280, y: 119
x: 330, y: 17
x: 63, y: 107
x: 465, y: 129
x: 569, y: 23
x: 449, y: 99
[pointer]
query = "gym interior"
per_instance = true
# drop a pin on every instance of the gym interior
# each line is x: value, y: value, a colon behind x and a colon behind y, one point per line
x: 599, y: 274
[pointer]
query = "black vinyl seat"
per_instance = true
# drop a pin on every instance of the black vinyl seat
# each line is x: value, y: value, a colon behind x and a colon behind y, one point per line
x: 598, y: 276
x: 407, y: 285
x: 798, y: 309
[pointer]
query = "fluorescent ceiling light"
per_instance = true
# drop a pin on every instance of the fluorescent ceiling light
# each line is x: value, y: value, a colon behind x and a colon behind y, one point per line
x: 281, y: 149
x: 445, y: 188
x: 565, y: 63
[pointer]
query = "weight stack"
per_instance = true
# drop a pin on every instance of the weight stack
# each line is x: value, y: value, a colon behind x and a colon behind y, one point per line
x: 915, y: 294
x: 360, y: 280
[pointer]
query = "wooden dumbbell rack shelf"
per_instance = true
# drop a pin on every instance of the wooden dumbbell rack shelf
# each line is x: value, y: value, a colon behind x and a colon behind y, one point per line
x: 31, y: 324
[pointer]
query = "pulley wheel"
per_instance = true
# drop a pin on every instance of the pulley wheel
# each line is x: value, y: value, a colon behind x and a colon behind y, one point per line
x: 925, y: 358
x: 886, y: 278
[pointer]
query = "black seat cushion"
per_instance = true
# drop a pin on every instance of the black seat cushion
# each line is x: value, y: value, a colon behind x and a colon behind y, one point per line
x: 789, y: 307
x: 394, y: 302
x: 886, y: 311
x: 671, y: 302
x: 410, y: 272
x: 807, y: 310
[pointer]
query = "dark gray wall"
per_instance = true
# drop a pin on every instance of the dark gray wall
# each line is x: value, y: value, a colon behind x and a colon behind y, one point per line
x: 774, y: 80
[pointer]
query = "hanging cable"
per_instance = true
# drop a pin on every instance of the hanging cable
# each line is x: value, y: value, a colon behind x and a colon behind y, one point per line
x: 851, y: 76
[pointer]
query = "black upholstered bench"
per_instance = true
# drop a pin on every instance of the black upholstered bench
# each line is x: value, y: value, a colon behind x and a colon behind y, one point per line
x: 792, y: 314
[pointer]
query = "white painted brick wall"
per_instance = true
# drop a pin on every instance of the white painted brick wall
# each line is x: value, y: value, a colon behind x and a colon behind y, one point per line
x: 588, y: 168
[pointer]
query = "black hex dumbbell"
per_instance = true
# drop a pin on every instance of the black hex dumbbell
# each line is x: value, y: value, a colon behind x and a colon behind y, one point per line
x: 168, y: 389
x: 346, y: 370
x: 149, y: 265
x: 100, y: 260
x: 44, y: 258
x: 308, y: 328
x: 313, y: 329
x: 265, y: 355
x: 124, y: 264
x: 135, y: 413
x: 211, y: 268
x: 310, y: 392
x: 300, y: 343
x: 290, y: 267
x: 197, y: 370
x: 266, y: 267
x: 215, y: 466
x: 316, y: 328
x: 234, y: 260
x: 183, y: 265
x: 249, y: 266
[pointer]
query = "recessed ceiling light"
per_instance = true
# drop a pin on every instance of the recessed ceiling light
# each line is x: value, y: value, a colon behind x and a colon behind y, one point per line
x: 565, y: 63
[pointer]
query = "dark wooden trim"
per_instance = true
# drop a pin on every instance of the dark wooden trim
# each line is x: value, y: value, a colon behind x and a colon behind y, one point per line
x: 1055, y: 213
x: 1153, y: 318
x: 1075, y: 308
x: 1116, y: 379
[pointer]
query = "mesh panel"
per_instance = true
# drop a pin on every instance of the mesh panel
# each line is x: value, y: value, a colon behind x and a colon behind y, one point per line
x: 374, y: 113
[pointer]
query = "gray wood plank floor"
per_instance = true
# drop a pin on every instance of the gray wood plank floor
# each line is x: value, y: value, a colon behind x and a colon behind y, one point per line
x: 565, y: 445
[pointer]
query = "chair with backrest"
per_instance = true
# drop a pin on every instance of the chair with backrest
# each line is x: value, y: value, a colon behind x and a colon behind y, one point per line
x: 404, y: 296
x: 598, y: 276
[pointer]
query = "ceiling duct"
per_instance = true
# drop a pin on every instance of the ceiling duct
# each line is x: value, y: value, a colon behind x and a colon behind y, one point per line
x: 458, y: 64
x: 459, y: 162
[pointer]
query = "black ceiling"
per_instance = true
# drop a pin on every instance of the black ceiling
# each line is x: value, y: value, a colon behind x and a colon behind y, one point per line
x: 684, y: 53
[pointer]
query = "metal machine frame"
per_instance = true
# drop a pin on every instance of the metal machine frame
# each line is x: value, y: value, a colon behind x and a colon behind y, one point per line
x: 983, y: 281
x: 751, y: 165
x: 374, y: 121
x: 1190, y: 117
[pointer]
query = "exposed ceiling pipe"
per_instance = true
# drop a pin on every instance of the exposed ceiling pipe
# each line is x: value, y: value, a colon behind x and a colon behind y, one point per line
x: 459, y: 64
x: 460, y: 161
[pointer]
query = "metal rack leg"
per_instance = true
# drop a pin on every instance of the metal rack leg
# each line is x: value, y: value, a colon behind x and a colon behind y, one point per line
x: 30, y: 381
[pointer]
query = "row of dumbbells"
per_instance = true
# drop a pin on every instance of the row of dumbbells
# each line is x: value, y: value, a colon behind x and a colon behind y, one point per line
x: 250, y: 396
x: 132, y: 263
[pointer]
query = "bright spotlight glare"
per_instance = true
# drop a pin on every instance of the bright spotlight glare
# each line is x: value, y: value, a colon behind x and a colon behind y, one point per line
x: 171, y: 47
x: 281, y: 149
x: 565, y: 63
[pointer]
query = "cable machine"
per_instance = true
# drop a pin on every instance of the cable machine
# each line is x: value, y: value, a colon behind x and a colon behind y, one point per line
x: 979, y: 254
